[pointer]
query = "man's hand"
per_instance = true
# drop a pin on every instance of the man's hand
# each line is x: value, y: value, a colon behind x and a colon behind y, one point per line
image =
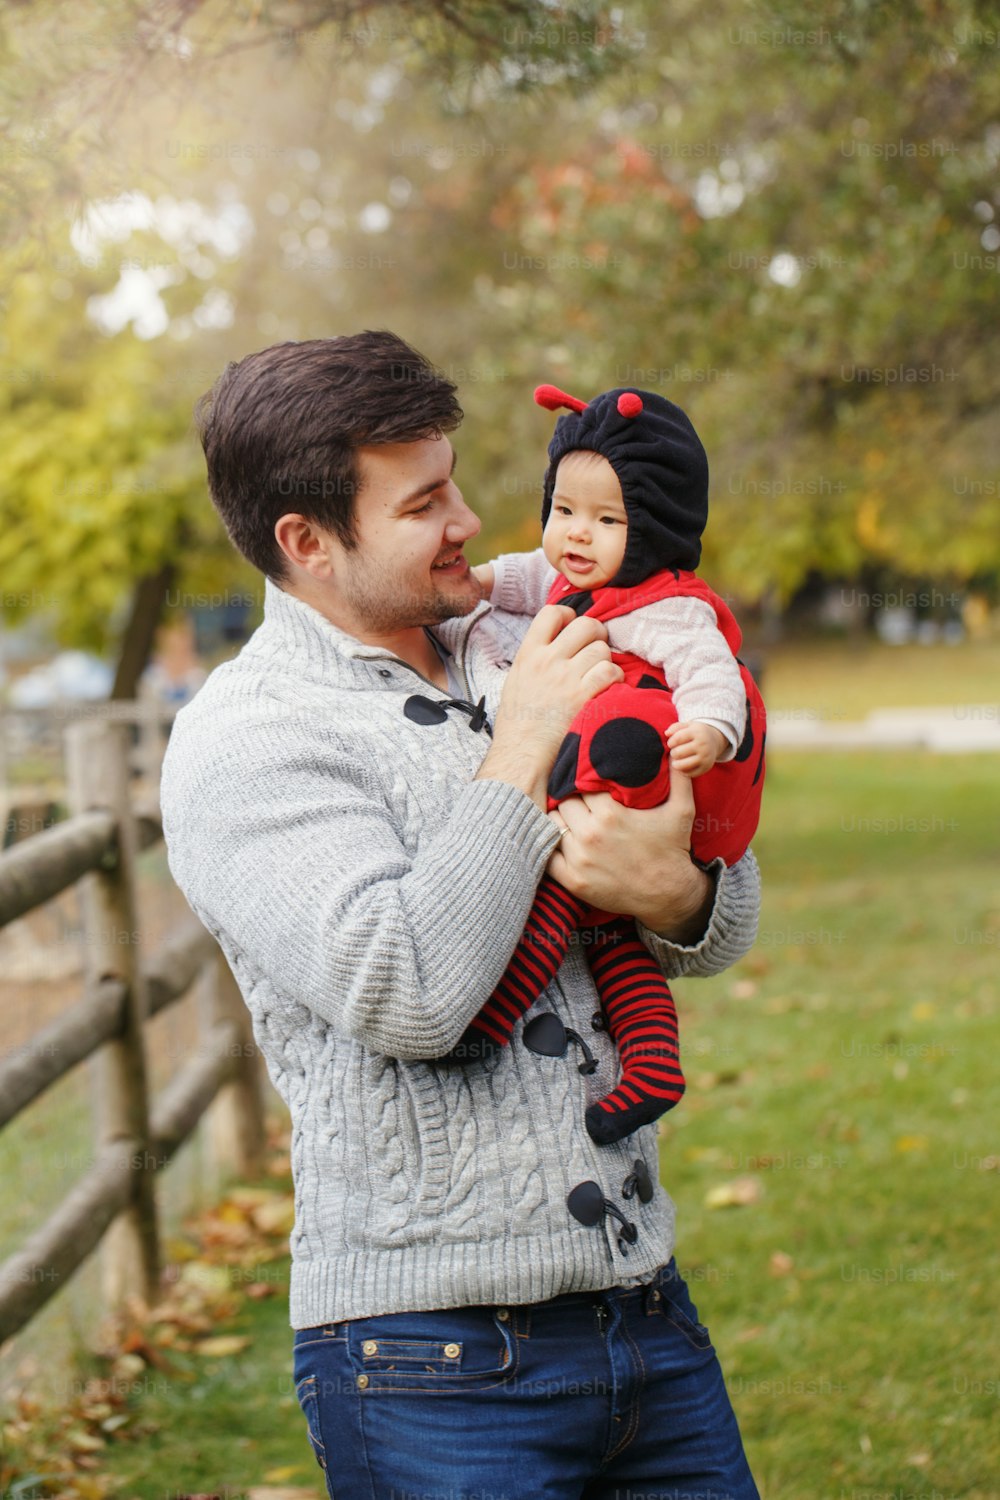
x: 636, y: 861
x: 695, y: 747
x: 563, y: 661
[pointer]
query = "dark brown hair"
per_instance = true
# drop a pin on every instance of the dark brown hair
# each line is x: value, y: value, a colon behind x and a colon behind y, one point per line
x: 280, y: 430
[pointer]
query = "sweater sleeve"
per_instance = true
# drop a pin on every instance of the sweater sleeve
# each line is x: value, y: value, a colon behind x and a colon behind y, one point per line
x: 732, y: 927
x: 521, y: 581
x: 681, y: 636
x: 282, y: 841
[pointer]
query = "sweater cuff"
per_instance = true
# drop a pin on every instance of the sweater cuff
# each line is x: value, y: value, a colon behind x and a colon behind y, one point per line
x: 731, y: 930
x: 728, y: 733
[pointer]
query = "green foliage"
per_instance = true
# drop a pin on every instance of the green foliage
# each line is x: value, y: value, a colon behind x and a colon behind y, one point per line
x: 100, y: 480
x: 779, y: 215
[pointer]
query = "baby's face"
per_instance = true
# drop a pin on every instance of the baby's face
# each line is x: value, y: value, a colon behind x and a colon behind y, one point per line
x: 584, y: 537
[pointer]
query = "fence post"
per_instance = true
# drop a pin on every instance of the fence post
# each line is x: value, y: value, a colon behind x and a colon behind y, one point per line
x: 151, y: 744
x: 238, y: 1112
x: 97, y: 757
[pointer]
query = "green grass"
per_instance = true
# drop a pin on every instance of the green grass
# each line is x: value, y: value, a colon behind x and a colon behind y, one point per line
x: 848, y: 1068
x: 844, y: 679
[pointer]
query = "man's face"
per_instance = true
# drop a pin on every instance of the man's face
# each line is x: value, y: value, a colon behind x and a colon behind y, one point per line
x: 585, y: 535
x: 411, y: 525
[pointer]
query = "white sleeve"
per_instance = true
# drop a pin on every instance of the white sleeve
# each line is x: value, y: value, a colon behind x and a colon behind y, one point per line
x: 521, y: 581
x: 681, y: 635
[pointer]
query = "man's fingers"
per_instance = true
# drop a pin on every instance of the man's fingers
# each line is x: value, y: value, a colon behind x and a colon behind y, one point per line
x: 681, y: 797
x: 558, y: 622
x: 605, y: 674
x: 582, y: 631
x: 550, y: 620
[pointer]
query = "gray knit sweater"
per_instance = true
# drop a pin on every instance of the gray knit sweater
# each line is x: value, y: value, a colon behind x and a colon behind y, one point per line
x: 368, y: 895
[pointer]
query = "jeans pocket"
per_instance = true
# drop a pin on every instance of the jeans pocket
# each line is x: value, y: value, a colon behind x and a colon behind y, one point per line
x: 461, y: 1349
x: 679, y: 1309
x: 306, y: 1393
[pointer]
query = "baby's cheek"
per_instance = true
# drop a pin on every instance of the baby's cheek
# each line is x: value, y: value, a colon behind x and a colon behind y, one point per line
x: 550, y: 545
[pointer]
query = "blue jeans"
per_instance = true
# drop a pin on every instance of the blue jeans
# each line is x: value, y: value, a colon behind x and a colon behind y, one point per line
x: 613, y: 1395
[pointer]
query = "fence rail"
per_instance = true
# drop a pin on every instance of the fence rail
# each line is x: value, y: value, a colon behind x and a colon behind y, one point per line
x: 114, y: 1205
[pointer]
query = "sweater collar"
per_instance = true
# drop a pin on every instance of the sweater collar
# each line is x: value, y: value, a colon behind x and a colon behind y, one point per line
x: 297, y: 628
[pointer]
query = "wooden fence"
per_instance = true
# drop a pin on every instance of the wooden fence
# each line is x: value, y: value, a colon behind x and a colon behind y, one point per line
x: 114, y: 1205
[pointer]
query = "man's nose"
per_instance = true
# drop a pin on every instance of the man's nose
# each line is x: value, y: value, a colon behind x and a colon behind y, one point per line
x: 463, y: 523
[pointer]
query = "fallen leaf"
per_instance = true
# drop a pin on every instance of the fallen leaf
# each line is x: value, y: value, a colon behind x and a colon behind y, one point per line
x: 85, y: 1442
x: 780, y: 1263
x: 222, y: 1345
x: 276, y: 1217
x: 89, y: 1489
x: 249, y: 1198
x: 211, y: 1278
x: 268, y: 1492
x: 279, y: 1475
x: 737, y: 1193
x: 912, y: 1142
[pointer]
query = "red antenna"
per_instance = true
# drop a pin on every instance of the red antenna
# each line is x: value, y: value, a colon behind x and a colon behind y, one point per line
x: 551, y: 397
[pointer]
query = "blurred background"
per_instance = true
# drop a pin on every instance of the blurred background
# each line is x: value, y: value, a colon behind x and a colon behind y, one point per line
x: 786, y: 219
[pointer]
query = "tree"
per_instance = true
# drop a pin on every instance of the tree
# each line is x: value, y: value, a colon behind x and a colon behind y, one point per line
x: 785, y: 218
x: 103, y: 490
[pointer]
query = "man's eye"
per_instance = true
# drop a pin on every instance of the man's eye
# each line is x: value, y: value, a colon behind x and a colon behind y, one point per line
x: 421, y: 508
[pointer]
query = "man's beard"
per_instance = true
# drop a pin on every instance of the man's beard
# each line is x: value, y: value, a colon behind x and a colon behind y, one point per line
x: 377, y: 598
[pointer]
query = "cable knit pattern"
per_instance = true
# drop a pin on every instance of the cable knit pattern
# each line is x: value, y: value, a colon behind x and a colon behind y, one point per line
x: 368, y: 895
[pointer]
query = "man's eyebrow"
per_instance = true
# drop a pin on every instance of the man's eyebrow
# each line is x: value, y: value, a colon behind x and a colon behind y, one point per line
x: 425, y: 489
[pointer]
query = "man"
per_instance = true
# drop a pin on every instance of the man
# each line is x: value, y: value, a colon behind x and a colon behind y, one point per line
x: 355, y: 807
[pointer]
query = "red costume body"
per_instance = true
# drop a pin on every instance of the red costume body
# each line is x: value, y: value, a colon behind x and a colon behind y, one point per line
x: 616, y: 742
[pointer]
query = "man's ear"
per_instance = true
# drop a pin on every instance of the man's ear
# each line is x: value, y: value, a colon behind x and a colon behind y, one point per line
x: 306, y: 545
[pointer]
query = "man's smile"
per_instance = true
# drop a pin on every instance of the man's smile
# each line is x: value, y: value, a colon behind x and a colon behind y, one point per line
x: 455, y: 565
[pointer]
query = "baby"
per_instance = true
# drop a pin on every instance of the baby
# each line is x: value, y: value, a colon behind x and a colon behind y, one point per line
x: 625, y: 502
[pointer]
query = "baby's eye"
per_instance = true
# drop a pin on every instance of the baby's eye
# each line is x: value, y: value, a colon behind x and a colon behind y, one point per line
x: 564, y: 510
x: 612, y: 521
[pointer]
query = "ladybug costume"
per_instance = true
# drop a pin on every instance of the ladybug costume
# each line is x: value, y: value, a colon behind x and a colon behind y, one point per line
x: 616, y: 744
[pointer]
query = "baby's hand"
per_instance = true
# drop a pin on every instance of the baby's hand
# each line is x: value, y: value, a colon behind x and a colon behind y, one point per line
x: 483, y: 574
x: 695, y: 747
